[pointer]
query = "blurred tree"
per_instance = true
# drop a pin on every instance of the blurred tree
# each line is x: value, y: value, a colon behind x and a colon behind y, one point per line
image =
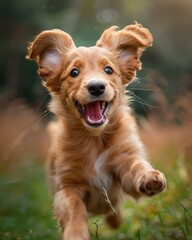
x: 169, y: 21
x: 171, y: 26
x: 16, y: 23
x: 19, y: 21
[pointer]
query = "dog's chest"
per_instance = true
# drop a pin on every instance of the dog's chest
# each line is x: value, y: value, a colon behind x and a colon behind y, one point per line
x: 101, y: 179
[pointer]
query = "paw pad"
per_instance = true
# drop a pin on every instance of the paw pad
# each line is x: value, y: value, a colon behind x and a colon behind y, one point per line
x: 152, y: 183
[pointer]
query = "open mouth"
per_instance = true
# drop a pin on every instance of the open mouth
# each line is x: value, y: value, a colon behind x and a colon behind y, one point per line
x: 94, y: 113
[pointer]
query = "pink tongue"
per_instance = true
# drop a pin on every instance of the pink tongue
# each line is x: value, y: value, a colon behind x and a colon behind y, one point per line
x: 94, y: 111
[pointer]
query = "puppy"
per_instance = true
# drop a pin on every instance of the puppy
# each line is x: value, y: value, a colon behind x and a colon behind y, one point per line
x: 96, y: 154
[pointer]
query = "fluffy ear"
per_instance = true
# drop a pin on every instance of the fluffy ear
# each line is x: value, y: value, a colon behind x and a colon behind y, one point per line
x: 48, y: 50
x: 128, y: 44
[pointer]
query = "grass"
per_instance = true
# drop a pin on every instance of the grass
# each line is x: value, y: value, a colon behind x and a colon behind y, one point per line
x: 163, y: 217
x: 26, y: 206
x: 26, y: 210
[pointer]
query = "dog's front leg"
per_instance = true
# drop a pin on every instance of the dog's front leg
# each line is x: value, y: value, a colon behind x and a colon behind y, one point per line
x: 71, y: 213
x: 142, y: 179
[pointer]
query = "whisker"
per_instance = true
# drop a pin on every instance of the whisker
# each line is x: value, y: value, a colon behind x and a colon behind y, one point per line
x: 143, y: 89
x: 42, y: 102
x: 147, y: 75
x: 141, y: 101
x: 44, y: 114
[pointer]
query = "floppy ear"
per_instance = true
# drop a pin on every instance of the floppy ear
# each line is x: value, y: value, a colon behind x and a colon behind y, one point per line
x: 128, y: 44
x: 48, y: 50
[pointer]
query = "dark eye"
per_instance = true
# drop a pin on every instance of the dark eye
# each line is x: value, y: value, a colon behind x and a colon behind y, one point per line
x: 108, y: 70
x: 74, y: 72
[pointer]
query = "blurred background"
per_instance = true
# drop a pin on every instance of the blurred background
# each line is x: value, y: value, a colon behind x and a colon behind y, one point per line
x: 162, y: 96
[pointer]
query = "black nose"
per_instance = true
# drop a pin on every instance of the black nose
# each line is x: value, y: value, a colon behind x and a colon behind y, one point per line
x: 96, y: 88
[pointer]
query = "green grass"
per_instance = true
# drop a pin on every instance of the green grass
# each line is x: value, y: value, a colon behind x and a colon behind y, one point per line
x: 26, y: 210
x: 26, y: 206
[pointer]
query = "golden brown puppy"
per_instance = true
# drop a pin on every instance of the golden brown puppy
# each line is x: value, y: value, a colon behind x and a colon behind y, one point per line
x: 96, y: 152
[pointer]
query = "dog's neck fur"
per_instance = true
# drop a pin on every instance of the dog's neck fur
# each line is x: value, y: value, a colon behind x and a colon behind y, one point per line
x: 72, y: 129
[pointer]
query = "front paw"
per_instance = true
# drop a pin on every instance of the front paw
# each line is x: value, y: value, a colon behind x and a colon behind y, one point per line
x: 151, y: 183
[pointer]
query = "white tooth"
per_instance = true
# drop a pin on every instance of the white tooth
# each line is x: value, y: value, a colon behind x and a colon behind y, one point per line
x: 103, y: 105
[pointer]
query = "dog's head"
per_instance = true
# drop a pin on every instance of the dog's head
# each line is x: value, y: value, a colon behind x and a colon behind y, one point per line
x: 89, y: 82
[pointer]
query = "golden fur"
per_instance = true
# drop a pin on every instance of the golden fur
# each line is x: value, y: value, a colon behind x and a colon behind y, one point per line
x: 96, y: 153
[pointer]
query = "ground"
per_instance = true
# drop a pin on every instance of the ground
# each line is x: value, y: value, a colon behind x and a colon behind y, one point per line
x: 26, y: 209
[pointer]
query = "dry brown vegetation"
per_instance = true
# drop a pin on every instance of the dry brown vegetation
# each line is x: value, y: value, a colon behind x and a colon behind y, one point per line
x: 167, y: 136
x: 22, y: 136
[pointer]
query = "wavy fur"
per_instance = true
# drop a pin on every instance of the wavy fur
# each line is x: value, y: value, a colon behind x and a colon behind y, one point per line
x: 89, y: 167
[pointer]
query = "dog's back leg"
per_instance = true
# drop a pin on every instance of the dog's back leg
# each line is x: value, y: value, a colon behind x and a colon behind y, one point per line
x: 114, y: 219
